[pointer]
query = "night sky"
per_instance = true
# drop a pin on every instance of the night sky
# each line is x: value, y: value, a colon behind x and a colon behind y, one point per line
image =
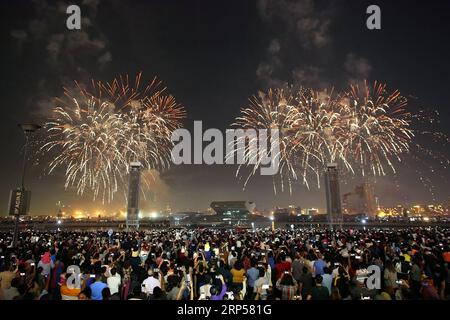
x: 213, y: 56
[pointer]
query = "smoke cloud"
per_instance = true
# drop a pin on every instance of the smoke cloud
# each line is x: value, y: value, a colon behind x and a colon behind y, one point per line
x: 300, y: 50
x: 60, y: 55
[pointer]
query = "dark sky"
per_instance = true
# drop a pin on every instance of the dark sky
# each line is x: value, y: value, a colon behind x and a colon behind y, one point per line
x: 212, y: 56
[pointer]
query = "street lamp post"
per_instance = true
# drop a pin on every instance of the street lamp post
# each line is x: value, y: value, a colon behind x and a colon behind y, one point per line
x: 28, y: 129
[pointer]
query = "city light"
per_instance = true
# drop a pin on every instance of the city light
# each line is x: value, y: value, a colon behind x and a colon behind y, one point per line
x: 78, y: 214
x: 153, y: 215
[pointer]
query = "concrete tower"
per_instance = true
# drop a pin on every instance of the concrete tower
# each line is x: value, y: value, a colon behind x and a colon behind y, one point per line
x: 333, y: 193
x: 133, y: 195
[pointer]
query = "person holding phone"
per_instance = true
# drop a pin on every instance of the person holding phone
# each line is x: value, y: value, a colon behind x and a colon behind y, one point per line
x: 390, y: 276
x: 186, y: 284
x: 224, y: 270
x: 97, y: 288
x: 217, y: 293
x: 46, y: 263
x: 114, y: 281
x: 287, y: 285
x: 305, y: 282
x: 282, y: 265
x: 7, y: 273
x: 205, y: 288
x: 262, y: 286
x: 297, y: 266
x: 318, y: 265
x: 174, y: 284
x: 252, y: 275
x: 151, y: 282
x: 327, y: 279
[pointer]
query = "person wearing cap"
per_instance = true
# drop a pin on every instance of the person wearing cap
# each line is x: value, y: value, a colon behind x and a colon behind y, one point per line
x: 46, y: 263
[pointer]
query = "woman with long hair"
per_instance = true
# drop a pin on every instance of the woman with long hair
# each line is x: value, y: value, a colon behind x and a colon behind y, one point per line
x: 342, y: 282
x: 126, y: 279
x: 288, y: 286
x: 390, y: 276
x: 238, y: 273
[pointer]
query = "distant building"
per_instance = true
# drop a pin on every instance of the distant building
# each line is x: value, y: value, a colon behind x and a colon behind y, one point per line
x: 312, y: 211
x: 280, y: 213
x: 233, y: 209
x: 417, y: 210
x: 60, y: 212
x: 360, y: 201
x: 405, y: 212
x: 333, y: 193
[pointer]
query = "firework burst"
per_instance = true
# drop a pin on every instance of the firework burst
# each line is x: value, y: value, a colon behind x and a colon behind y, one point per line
x: 273, y: 110
x: 308, y: 124
x: 366, y: 130
x: 376, y: 128
x: 94, y: 134
x: 318, y: 132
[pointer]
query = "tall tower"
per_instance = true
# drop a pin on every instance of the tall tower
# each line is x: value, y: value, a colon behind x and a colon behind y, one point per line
x: 333, y: 193
x: 370, y: 199
x: 133, y: 195
x: 60, y: 207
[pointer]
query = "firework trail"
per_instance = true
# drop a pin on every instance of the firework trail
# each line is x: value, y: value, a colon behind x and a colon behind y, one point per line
x: 85, y: 142
x: 95, y: 133
x: 386, y: 134
x: 308, y: 124
x: 427, y: 156
x: 268, y: 111
x: 150, y: 105
x: 318, y: 133
x: 377, y: 128
x: 367, y: 130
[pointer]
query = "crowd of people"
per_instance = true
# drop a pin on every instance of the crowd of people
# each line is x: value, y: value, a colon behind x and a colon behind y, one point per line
x: 227, y: 264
